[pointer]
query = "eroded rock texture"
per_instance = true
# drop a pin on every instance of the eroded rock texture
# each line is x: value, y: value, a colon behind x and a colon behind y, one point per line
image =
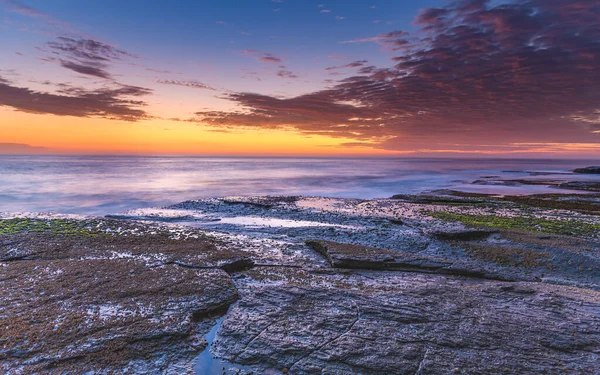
x: 304, y: 322
x: 453, y: 283
x: 106, y: 304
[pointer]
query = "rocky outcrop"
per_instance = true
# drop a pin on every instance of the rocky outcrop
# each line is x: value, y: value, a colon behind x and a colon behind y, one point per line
x: 101, y: 315
x: 79, y: 300
x: 152, y: 248
x: 462, y: 234
x: 261, y: 202
x: 434, y: 284
x: 351, y: 256
x: 588, y: 170
x: 581, y: 185
x: 342, y: 322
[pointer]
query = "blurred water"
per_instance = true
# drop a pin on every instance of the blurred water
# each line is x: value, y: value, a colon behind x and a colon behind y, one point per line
x: 98, y: 185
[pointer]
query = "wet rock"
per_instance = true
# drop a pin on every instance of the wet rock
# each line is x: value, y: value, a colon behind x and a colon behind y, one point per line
x: 581, y: 185
x: 396, y: 221
x: 411, y: 285
x: 462, y: 235
x: 443, y: 197
x: 583, y: 203
x: 106, y: 315
x: 266, y: 202
x: 498, y: 182
x: 237, y: 266
x: 152, y: 248
x: 352, y: 256
x: 588, y: 170
x: 408, y: 323
x: 518, y: 182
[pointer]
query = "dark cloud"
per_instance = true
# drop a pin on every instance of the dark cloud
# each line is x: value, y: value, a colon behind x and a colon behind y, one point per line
x: 84, y: 69
x: 286, y: 74
x: 116, y: 103
x: 263, y: 56
x: 354, y: 64
x: 88, y: 49
x: 87, y: 56
x: 191, y: 84
x: 394, y: 40
x: 478, y: 72
x: 314, y: 113
x: 270, y: 59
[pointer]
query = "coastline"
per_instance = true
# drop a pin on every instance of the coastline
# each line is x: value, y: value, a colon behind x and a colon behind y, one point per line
x: 428, y: 282
x: 102, y: 185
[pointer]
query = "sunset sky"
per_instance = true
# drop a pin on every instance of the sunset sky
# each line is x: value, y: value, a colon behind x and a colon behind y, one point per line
x: 300, y: 77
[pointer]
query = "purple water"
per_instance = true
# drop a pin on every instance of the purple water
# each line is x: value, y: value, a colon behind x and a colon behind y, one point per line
x: 98, y: 185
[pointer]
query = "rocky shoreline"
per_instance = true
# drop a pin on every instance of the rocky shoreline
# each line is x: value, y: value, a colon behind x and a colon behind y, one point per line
x: 437, y: 283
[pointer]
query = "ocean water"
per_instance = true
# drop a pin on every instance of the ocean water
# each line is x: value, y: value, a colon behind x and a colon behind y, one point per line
x: 99, y: 185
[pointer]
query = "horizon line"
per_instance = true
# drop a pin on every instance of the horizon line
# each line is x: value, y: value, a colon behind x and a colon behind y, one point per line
x: 304, y: 156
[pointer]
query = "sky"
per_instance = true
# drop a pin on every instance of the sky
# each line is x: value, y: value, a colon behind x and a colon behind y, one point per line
x: 301, y: 77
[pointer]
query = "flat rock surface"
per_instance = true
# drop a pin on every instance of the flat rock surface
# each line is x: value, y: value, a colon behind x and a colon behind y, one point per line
x: 438, y: 283
x: 65, y: 315
x: 103, y: 239
x: 104, y: 304
x: 351, y: 256
x: 304, y: 322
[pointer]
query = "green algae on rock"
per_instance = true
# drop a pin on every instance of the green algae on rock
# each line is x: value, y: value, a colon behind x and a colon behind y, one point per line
x: 567, y: 226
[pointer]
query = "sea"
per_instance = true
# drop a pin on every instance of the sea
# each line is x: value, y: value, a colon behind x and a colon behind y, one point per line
x: 101, y: 185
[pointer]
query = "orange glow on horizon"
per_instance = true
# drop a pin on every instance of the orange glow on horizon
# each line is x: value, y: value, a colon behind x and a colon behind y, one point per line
x: 75, y: 135
x: 72, y: 135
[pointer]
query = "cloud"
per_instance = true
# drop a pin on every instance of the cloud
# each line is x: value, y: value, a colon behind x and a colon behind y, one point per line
x: 161, y: 71
x: 325, y: 11
x: 286, y: 74
x: 394, y: 40
x: 87, y: 70
x: 338, y: 57
x: 55, y: 25
x: 191, y: 84
x: 88, y: 49
x: 270, y: 59
x: 116, y: 103
x: 263, y: 56
x: 87, y: 56
x: 19, y: 7
x: 315, y: 113
x: 477, y: 73
x: 354, y: 64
